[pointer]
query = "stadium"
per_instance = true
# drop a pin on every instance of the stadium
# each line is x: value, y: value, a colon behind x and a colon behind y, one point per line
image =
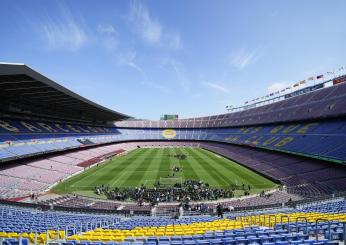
x: 89, y: 159
x: 74, y: 171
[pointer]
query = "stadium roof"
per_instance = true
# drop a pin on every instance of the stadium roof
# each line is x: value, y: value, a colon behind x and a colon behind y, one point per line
x: 25, y: 91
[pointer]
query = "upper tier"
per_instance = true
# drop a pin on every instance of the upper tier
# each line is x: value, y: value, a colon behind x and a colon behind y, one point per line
x: 24, y: 91
x: 320, y: 139
x: 322, y: 103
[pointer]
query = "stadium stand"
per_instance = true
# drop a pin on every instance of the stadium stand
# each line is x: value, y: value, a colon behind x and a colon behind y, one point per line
x: 36, y: 175
x: 298, y: 142
x: 38, y: 226
x: 301, y: 175
x: 319, y: 139
x: 322, y: 103
x: 316, y: 224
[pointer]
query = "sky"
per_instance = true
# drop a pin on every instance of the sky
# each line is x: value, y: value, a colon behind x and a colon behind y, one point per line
x: 185, y: 57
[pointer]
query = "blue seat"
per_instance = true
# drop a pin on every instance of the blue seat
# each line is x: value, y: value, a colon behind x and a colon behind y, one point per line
x: 82, y: 243
x: 309, y: 241
x: 176, y: 242
x: 228, y: 241
x: 125, y: 243
x: 303, y: 236
x: 242, y: 241
x: 254, y: 240
x: 152, y: 239
x: 186, y: 238
x: 189, y: 242
x: 203, y: 242
x: 332, y: 243
x: 137, y: 243
x: 209, y: 236
x: 216, y: 242
x: 164, y: 239
x: 13, y: 241
x: 197, y: 237
x: 150, y: 243
x: 296, y: 242
x: 281, y: 243
x: 338, y: 235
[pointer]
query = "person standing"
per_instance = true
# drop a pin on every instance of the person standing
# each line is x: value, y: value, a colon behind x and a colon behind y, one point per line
x: 219, y: 211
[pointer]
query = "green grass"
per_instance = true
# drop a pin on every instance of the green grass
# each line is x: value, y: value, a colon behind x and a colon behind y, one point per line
x: 146, y: 166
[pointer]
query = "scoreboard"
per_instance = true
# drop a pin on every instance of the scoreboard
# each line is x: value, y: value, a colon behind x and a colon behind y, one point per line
x: 169, y: 117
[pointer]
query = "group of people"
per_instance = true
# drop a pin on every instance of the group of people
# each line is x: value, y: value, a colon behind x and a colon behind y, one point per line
x: 178, y: 156
x: 189, y: 190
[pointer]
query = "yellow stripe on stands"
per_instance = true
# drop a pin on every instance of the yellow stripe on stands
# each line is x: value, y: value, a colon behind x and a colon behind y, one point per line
x: 197, y: 228
x: 41, y: 238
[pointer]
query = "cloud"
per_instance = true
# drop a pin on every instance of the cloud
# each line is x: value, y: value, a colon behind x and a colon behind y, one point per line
x: 150, y: 30
x: 107, y: 29
x: 276, y: 87
x: 63, y: 32
x: 147, y: 27
x: 216, y: 87
x: 128, y: 59
x: 242, y: 58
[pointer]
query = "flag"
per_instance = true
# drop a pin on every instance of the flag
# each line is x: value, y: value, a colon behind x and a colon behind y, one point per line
x: 311, y: 78
x: 319, y: 76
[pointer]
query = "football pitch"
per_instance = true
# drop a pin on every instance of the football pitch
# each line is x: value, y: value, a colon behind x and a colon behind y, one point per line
x: 148, y: 165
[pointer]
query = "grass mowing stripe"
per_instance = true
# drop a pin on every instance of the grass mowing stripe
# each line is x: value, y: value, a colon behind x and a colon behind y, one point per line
x: 163, y: 165
x: 142, y: 164
x: 203, y: 174
x: 229, y: 172
x: 131, y: 177
x: 188, y: 170
x: 209, y: 165
x: 174, y: 162
x: 69, y: 184
x: 101, y: 176
x: 151, y: 169
x: 114, y: 170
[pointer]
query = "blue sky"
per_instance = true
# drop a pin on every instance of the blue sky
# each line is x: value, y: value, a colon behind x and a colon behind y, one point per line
x: 192, y: 58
